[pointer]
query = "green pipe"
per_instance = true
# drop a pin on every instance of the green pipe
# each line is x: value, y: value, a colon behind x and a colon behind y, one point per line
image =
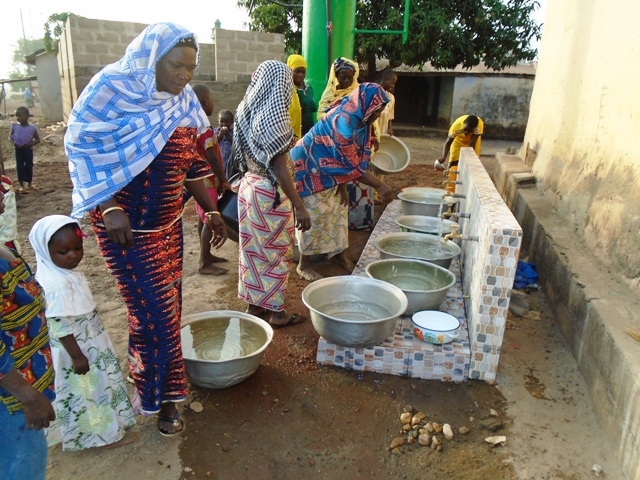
x: 343, y: 19
x: 315, y: 46
x: 404, y: 32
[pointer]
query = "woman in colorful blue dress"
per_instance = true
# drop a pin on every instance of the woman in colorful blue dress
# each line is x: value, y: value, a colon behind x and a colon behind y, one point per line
x: 131, y: 143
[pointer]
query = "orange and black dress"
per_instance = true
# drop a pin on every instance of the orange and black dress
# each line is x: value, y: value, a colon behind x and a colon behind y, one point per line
x: 149, y: 274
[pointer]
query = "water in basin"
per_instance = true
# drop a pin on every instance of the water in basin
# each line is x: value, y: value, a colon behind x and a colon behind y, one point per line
x: 416, y: 249
x: 414, y: 282
x: 221, y: 339
x: 356, y: 311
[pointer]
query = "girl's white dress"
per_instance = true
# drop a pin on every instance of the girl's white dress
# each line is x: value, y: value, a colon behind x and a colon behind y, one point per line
x: 92, y: 410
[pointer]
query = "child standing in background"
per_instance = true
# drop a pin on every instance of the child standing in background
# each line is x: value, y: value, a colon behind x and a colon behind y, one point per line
x: 92, y: 405
x: 224, y: 134
x: 24, y: 136
x: 208, y: 150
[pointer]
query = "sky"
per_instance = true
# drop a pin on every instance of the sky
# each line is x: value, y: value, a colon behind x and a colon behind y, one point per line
x: 200, y: 20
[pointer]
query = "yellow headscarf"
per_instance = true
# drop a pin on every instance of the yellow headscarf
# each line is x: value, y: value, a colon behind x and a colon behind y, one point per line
x: 332, y: 92
x: 296, y: 61
x: 295, y: 111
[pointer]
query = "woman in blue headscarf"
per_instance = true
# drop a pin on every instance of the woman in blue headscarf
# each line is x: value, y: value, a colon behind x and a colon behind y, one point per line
x: 334, y: 152
x: 131, y: 143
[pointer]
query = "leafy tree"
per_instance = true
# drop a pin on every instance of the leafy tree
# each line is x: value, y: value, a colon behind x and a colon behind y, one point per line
x: 445, y: 33
x: 53, y: 28
x: 20, y: 68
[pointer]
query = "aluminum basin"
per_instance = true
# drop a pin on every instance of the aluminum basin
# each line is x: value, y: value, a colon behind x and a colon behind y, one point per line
x: 429, y: 248
x: 425, y: 201
x: 424, y: 224
x: 224, y: 347
x: 424, y: 283
x: 354, y: 311
x: 392, y: 156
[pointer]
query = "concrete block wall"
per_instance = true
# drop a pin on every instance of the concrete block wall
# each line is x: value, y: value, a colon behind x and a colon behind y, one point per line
x: 238, y: 53
x: 89, y: 45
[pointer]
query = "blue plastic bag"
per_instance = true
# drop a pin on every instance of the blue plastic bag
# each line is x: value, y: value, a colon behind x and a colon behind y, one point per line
x: 525, y: 275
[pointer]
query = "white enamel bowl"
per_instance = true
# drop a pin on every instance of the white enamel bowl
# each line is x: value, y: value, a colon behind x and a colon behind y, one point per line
x: 435, y: 327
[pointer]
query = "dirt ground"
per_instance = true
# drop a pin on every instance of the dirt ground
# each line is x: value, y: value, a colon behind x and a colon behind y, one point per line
x: 293, y: 419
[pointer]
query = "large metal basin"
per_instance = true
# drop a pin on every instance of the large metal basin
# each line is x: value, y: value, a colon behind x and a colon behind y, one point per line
x: 424, y: 283
x: 392, y: 156
x: 424, y: 224
x: 354, y: 311
x: 425, y: 201
x: 429, y: 248
x: 224, y: 347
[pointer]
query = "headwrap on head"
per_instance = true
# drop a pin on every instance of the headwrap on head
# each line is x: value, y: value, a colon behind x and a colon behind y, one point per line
x: 121, y: 121
x: 332, y: 93
x: 66, y: 292
x: 262, y: 124
x: 337, y: 149
x: 296, y: 61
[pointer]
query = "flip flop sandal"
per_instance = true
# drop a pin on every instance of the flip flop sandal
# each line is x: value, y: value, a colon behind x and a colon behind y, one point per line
x: 175, y: 421
x: 295, y: 319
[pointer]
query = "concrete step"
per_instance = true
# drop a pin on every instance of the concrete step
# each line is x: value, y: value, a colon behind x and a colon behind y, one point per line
x: 594, y: 308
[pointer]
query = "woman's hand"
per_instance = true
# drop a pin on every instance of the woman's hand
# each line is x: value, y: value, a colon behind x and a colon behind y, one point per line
x: 118, y: 228
x: 218, y: 228
x: 223, y: 184
x: 374, y: 143
x: 385, y: 192
x: 301, y: 218
x: 344, y: 194
x: 38, y: 412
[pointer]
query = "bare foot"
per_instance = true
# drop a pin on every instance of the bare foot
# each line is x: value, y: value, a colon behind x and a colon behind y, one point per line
x: 215, y: 259
x: 345, y: 262
x: 129, y: 437
x: 308, y: 274
x: 212, y: 270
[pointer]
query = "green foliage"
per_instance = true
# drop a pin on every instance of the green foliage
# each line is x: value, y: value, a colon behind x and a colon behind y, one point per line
x: 53, y: 28
x: 445, y: 33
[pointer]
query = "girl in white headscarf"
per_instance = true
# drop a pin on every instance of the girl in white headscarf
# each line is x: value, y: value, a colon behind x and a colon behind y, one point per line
x: 92, y: 406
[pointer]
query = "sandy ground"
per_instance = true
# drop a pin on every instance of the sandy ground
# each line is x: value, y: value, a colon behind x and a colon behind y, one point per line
x: 293, y: 419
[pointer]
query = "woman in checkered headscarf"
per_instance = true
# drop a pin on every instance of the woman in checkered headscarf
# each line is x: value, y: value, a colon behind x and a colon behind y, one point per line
x: 268, y: 206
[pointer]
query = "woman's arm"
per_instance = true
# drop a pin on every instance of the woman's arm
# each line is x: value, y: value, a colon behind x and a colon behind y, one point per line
x: 302, y: 218
x: 383, y: 189
x: 200, y: 195
x: 38, y: 412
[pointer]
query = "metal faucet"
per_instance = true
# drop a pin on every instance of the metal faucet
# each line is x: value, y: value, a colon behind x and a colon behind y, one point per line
x: 448, y: 171
x: 453, y: 235
x: 452, y: 182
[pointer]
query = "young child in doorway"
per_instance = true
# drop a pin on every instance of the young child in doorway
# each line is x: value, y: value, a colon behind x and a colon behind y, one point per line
x: 224, y: 133
x: 92, y: 405
x: 24, y: 136
x: 208, y: 150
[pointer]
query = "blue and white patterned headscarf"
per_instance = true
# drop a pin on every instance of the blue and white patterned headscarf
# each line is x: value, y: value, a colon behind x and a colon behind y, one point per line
x: 121, y: 122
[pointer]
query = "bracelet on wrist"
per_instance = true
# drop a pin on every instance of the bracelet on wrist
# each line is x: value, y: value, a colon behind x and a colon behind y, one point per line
x: 111, y: 209
x: 211, y: 214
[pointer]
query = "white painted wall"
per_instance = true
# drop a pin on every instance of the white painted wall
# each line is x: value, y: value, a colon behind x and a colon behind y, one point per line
x: 583, y: 124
